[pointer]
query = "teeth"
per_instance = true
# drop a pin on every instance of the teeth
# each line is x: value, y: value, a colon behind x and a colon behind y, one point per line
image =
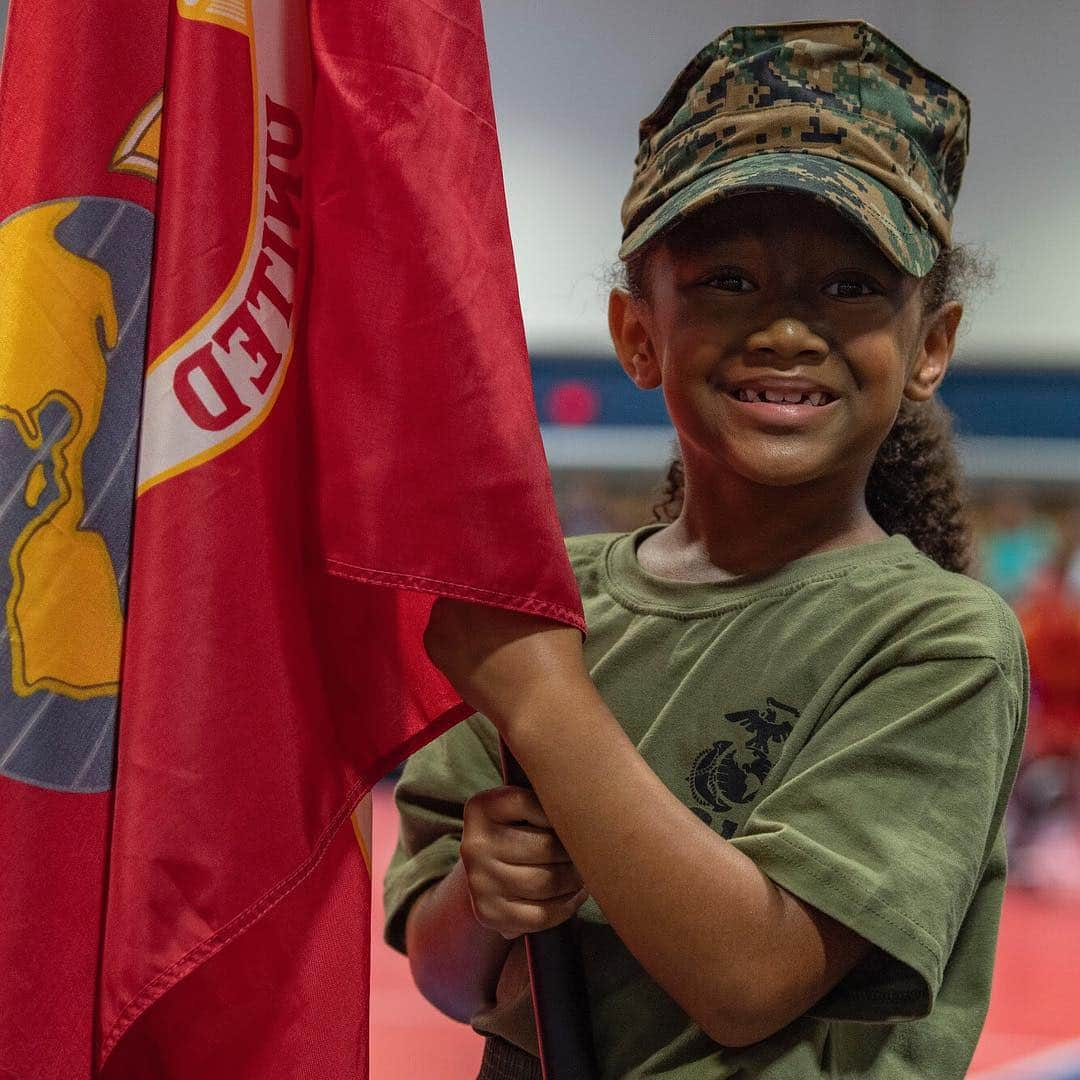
x: 781, y: 397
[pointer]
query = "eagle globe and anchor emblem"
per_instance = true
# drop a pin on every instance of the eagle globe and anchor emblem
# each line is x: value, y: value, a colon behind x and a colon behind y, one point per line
x: 74, y: 291
x: 730, y: 774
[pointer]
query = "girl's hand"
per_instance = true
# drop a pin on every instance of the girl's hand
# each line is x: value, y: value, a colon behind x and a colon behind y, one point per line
x: 520, y: 877
x: 499, y: 660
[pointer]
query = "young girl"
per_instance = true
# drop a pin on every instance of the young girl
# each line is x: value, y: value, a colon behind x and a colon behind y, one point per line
x: 770, y: 785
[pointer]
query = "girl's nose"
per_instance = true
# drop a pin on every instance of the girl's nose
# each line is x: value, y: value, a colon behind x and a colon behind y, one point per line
x: 788, y: 338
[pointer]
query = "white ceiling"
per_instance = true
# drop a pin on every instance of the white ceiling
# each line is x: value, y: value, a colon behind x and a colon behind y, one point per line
x: 571, y: 79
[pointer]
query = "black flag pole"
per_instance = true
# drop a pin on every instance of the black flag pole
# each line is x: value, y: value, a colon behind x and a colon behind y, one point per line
x: 560, y: 999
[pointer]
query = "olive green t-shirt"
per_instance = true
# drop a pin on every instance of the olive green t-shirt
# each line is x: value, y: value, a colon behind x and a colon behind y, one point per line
x: 853, y: 724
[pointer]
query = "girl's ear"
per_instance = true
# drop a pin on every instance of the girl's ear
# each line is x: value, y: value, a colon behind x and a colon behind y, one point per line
x: 633, y: 344
x: 935, y: 352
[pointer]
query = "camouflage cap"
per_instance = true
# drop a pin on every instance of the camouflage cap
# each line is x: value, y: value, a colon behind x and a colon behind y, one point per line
x: 831, y: 109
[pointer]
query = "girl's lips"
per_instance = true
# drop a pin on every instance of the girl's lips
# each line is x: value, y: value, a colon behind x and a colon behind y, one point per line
x: 791, y: 392
x: 783, y: 411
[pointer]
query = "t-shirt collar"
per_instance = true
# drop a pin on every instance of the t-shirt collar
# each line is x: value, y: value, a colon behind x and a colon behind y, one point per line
x: 628, y: 582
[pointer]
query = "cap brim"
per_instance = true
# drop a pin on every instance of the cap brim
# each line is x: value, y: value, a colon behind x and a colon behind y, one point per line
x: 866, y: 202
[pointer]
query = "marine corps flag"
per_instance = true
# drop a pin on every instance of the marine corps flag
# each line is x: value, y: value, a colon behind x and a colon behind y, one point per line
x: 276, y: 230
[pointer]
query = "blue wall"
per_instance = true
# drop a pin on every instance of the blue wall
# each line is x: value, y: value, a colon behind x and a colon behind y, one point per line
x: 987, y: 402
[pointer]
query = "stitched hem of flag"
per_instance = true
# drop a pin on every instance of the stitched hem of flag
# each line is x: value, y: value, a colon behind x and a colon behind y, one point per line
x: 207, y: 949
x: 454, y: 589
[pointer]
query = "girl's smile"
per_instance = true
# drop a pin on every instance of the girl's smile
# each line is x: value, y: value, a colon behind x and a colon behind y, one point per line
x: 778, y: 400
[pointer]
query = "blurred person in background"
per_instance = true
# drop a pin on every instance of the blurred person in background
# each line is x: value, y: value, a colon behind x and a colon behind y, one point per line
x: 1017, y: 542
x: 583, y: 505
x: 1048, y: 785
x: 1072, y: 528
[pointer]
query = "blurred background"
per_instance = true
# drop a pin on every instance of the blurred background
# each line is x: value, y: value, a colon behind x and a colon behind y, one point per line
x: 571, y: 79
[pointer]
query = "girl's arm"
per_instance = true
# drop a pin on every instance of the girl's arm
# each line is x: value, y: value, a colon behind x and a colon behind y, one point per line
x: 455, y: 962
x: 739, y: 954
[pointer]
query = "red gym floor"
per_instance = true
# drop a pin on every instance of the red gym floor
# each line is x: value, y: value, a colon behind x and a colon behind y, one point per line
x: 1031, y: 1033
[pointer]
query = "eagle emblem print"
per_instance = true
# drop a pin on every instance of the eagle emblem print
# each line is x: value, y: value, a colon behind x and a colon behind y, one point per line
x: 731, y: 771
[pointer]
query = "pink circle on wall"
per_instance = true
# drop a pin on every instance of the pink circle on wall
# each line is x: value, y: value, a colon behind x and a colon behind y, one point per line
x: 572, y: 402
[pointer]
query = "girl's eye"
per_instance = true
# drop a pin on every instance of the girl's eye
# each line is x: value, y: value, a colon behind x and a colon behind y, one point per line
x: 848, y: 289
x: 730, y: 282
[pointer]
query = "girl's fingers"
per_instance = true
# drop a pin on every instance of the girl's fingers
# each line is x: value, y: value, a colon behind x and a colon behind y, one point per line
x: 512, y: 918
x: 525, y: 846
x: 509, y: 825
x: 511, y: 806
x: 541, y: 883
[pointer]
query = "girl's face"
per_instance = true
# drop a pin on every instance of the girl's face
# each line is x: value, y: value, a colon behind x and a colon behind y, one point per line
x: 783, y: 339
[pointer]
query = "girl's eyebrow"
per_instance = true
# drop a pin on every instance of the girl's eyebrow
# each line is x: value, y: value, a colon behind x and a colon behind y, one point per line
x: 698, y: 243
x: 865, y: 260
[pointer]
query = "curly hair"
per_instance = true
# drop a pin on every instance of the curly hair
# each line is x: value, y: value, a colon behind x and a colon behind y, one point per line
x: 915, y: 486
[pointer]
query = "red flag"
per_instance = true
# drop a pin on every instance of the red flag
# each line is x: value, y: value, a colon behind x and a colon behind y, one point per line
x: 337, y: 426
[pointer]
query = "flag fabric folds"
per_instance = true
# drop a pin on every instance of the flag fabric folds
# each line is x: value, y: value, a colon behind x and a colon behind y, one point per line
x: 281, y: 227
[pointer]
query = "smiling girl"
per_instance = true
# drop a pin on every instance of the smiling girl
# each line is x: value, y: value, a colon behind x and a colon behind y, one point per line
x: 770, y: 785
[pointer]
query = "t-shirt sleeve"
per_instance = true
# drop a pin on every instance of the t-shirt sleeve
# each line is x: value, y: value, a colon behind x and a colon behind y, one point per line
x: 435, y: 785
x: 887, y: 819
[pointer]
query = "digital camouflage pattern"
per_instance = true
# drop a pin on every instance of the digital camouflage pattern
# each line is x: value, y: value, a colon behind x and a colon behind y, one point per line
x: 831, y: 109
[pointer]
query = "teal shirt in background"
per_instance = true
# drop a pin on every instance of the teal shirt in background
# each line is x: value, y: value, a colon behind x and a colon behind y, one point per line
x: 853, y: 723
x: 1009, y: 559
